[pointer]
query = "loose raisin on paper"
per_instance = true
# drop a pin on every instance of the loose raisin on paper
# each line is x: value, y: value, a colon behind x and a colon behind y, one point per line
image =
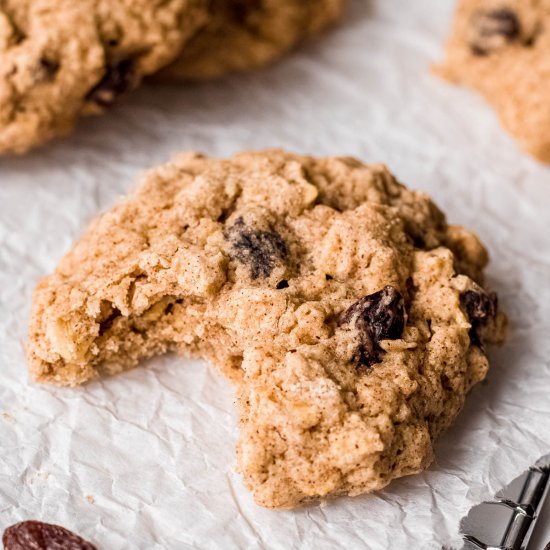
x: 36, y: 535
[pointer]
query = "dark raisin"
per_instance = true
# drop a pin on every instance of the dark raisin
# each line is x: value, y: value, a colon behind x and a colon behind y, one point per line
x: 35, y: 535
x: 328, y: 277
x: 418, y: 241
x: 107, y: 323
x: 117, y: 80
x: 446, y: 383
x: 503, y: 22
x: 379, y: 316
x: 411, y: 291
x: 241, y: 9
x: 46, y: 69
x: 415, y: 235
x: 480, y: 308
x: 493, y: 29
x: 282, y: 284
x: 260, y: 250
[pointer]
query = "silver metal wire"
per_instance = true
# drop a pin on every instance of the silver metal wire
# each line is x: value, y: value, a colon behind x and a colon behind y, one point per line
x: 507, y: 522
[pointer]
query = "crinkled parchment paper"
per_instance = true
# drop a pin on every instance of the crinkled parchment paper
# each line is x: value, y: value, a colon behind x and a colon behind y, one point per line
x: 146, y: 459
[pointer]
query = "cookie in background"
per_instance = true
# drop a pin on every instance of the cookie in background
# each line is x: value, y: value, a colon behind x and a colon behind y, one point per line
x: 500, y: 49
x: 62, y: 59
x: 247, y: 34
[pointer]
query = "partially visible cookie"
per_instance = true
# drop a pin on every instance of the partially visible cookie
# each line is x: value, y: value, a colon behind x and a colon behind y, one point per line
x: 247, y: 34
x: 352, y: 317
x: 65, y: 58
x: 500, y: 49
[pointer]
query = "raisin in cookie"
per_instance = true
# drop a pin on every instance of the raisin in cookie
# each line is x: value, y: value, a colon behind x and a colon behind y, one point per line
x: 499, y: 48
x: 351, y: 316
x: 246, y: 34
x: 65, y: 58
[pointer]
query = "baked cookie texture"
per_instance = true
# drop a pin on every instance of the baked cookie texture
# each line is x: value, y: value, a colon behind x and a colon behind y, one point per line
x: 246, y: 34
x: 62, y: 59
x: 499, y: 48
x: 352, y: 318
x: 65, y: 58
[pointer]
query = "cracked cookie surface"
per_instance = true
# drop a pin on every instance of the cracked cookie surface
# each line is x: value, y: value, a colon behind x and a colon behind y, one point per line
x: 65, y: 58
x: 247, y: 34
x: 352, y: 318
x: 499, y: 48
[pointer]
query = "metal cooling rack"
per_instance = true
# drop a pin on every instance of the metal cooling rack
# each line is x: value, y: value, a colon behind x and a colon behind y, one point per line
x: 507, y: 522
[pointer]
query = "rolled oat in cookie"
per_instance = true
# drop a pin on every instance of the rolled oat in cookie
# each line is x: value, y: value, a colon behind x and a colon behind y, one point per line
x: 351, y: 317
x: 65, y: 58
x: 499, y: 48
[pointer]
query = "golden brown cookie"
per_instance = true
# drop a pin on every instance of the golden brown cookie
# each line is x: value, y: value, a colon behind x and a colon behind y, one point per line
x: 499, y: 48
x: 65, y: 58
x: 351, y: 316
x: 247, y: 34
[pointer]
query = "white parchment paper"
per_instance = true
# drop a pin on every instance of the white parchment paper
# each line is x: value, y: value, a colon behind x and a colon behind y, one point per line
x: 146, y: 459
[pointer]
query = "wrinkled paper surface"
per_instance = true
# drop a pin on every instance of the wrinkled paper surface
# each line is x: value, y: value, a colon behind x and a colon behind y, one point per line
x: 146, y: 459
